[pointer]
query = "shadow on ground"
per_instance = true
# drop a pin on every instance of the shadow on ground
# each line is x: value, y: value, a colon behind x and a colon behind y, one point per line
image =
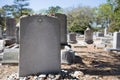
x: 104, y: 66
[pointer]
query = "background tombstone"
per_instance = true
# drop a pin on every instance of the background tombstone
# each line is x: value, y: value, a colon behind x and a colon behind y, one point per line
x: 18, y: 33
x: 10, y: 27
x: 39, y: 45
x: 88, y: 37
x: 116, y: 40
x: 72, y: 38
x: 63, y: 27
x: 100, y: 34
x: 1, y: 32
x: 105, y: 31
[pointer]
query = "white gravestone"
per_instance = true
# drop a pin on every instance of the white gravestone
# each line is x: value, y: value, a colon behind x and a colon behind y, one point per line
x: 39, y: 45
x: 88, y: 36
x: 116, y: 40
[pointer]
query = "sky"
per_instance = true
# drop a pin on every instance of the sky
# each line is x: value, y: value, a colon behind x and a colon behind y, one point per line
x: 44, y: 4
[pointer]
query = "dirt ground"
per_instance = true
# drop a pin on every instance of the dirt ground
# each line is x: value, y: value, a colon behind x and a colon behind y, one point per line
x: 91, y: 61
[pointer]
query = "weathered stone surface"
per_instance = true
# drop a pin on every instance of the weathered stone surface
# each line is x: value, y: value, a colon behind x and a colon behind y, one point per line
x: 63, y: 27
x: 116, y: 40
x: 10, y: 27
x: 100, y: 34
x: 67, y: 57
x: 18, y: 33
x: 72, y: 38
x: 10, y: 56
x: 88, y: 36
x: 39, y: 45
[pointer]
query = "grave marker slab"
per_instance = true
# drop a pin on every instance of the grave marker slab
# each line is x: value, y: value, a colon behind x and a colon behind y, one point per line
x: 39, y: 45
x: 116, y: 40
x: 72, y: 38
x: 88, y: 36
x: 10, y: 56
x: 10, y: 27
x: 63, y: 27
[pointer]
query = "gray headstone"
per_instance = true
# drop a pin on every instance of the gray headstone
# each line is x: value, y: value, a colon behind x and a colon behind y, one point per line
x: 100, y: 34
x: 1, y: 32
x: 72, y: 38
x: 18, y: 33
x: 116, y: 40
x: 88, y: 36
x: 10, y: 27
x: 63, y: 27
x: 39, y: 45
x: 67, y: 57
x: 10, y: 56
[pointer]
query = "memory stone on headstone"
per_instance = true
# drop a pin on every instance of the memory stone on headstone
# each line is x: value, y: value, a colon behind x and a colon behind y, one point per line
x: 39, y: 45
x: 10, y: 27
x: 72, y: 38
x: 63, y: 27
x: 116, y: 40
x: 88, y: 36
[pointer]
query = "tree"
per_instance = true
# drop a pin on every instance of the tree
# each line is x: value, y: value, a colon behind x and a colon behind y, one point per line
x: 104, y: 15
x: 53, y: 10
x: 2, y: 19
x: 79, y: 18
x: 21, y: 8
x: 115, y: 24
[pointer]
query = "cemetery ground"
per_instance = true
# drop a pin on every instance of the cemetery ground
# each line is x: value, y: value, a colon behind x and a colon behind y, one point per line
x: 90, y: 63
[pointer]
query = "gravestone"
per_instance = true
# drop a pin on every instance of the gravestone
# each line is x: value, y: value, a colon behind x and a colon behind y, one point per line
x: 63, y: 27
x: 18, y: 33
x: 116, y: 40
x: 2, y: 46
x: 10, y: 27
x: 1, y: 32
x: 10, y: 56
x: 67, y: 56
x: 88, y: 37
x: 105, y: 31
x: 72, y: 38
x: 100, y: 34
x: 39, y: 45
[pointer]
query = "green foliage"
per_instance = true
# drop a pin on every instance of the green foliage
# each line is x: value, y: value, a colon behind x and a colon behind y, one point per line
x: 2, y: 17
x: 104, y: 14
x: 21, y: 8
x: 115, y: 22
x: 79, y: 18
x: 53, y: 10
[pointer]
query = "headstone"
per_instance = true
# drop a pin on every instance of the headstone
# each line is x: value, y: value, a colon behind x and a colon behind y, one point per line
x: 10, y: 56
x: 63, y: 27
x: 72, y: 38
x: 2, y: 46
x: 88, y: 37
x: 10, y: 27
x: 39, y: 45
x: 105, y: 31
x: 67, y: 57
x: 100, y: 34
x: 1, y: 32
x: 116, y: 40
x: 18, y: 33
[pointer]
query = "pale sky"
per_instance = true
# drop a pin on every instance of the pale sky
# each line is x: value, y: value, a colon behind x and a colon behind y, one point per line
x: 44, y: 4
